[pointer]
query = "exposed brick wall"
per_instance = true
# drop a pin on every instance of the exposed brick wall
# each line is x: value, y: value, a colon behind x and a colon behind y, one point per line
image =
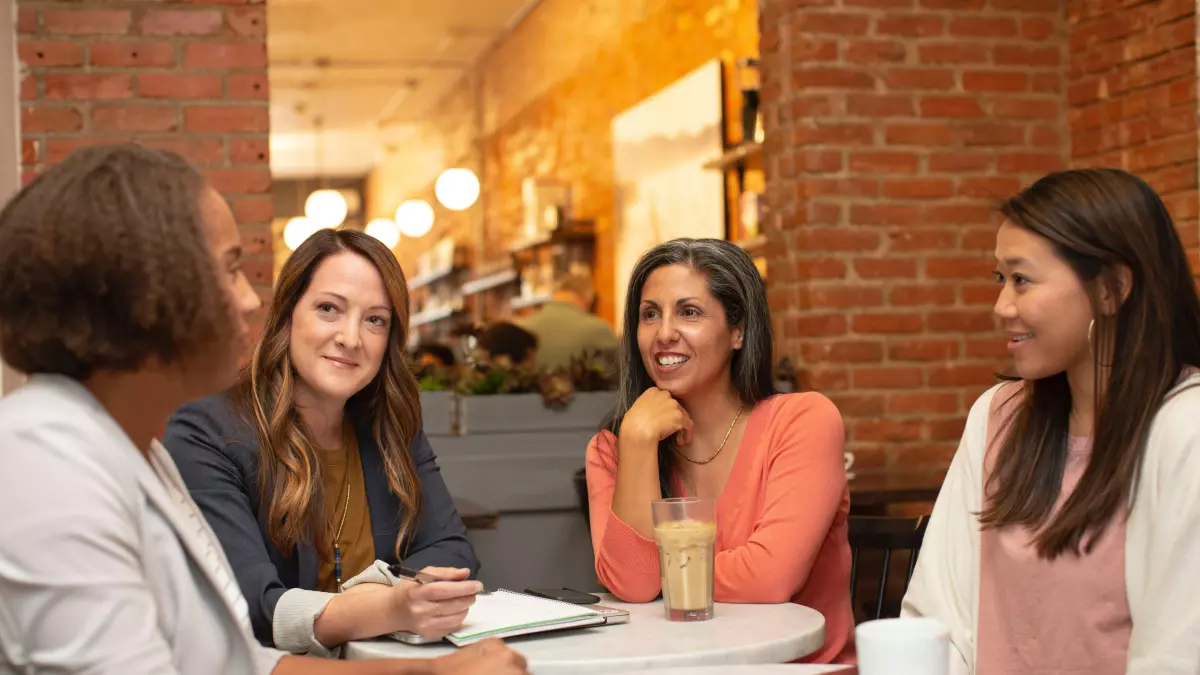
x: 1132, y: 93
x: 185, y: 76
x: 548, y: 95
x: 892, y: 127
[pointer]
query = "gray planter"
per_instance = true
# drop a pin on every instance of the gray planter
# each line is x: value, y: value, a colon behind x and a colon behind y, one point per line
x: 437, y: 413
x: 506, y: 413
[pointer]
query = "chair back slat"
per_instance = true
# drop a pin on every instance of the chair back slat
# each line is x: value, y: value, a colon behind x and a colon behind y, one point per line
x: 885, y: 535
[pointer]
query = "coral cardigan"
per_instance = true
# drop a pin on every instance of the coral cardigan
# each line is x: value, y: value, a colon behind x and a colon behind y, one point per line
x: 781, y: 520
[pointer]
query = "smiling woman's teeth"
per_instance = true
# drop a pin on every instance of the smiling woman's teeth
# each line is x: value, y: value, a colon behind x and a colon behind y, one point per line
x: 671, y: 360
x: 1022, y: 338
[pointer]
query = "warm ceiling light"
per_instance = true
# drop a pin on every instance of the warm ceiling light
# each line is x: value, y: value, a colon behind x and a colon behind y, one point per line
x: 296, y: 231
x: 414, y: 218
x: 457, y: 189
x: 326, y: 208
x: 385, y: 230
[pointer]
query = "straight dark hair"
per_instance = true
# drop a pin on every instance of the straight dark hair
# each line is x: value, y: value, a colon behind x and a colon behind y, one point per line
x: 1097, y: 220
x: 736, y: 283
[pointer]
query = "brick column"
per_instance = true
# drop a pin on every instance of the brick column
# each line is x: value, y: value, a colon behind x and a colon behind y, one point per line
x: 186, y: 76
x: 892, y: 126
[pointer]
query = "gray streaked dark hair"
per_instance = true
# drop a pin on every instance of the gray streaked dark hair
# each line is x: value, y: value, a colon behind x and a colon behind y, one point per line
x: 736, y: 283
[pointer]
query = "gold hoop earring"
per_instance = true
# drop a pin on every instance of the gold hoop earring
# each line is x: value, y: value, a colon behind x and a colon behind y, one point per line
x: 1091, y: 329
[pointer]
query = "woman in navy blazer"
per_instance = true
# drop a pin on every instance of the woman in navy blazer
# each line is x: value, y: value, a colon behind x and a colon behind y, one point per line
x: 314, y: 466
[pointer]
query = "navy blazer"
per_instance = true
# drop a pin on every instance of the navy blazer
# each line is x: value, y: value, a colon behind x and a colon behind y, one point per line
x: 216, y: 450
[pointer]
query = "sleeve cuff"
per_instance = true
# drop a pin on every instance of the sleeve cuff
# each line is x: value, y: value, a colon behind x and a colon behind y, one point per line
x: 292, y: 625
x: 623, y: 544
x: 265, y: 660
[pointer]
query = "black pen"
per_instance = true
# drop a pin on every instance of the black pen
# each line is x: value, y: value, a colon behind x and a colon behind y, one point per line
x: 401, y: 572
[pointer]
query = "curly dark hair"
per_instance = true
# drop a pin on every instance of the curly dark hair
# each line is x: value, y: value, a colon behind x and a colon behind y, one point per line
x: 105, y: 263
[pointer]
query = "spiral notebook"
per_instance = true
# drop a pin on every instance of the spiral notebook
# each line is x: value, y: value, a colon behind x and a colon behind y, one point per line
x: 504, y: 614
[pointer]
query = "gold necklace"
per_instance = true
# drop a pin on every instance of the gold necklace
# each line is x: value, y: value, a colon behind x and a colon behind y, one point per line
x: 723, y: 441
x: 337, y: 549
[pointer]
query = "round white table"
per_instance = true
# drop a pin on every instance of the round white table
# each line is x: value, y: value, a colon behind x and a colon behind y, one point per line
x: 737, y: 634
x: 775, y: 669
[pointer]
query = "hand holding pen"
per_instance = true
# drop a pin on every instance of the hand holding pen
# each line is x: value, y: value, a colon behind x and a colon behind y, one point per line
x: 435, y: 604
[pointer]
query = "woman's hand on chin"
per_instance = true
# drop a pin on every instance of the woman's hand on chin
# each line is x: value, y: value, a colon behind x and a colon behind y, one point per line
x: 654, y: 416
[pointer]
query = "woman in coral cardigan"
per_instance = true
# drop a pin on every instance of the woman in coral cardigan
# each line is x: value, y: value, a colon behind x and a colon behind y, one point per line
x: 697, y: 415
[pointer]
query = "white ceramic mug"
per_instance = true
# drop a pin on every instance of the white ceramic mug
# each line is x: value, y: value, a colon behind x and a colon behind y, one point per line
x: 905, y: 646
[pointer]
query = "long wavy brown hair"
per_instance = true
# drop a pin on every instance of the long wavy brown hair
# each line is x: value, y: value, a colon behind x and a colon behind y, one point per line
x: 1097, y: 220
x: 290, y: 476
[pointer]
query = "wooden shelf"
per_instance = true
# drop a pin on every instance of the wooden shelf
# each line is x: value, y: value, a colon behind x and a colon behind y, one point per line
x: 427, y: 279
x: 432, y: 316
x: 490, y: 281
x: 535, y: 301
x: 735, y: 156
x: 556, y: 238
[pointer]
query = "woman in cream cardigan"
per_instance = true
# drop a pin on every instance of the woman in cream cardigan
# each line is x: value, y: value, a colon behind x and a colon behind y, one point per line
x: 121, y: 293
x: 1066, y: 538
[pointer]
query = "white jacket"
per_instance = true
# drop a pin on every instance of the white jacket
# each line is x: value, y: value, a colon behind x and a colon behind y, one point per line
x: 1162, y: 544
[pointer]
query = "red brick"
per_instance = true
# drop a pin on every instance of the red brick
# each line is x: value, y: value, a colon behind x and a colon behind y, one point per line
x: 820, y: 268
x: 818, y: 77
x: 811, y: 51
x: 950, y: 106
x: 56, y: 54
x: 875, y: 52
x: 887, y: 323
x: 199, y: 151
x: 50, y: 119
x: 842, y: 351
x: 991, y: 188
x: 135, y: 118
x: 844, y: 187
x: 986, y: 80
x: 836, y: 239
x: 919, y: 134
x: 1016, y: 55
x: 961, y: 321
x: 253, y: 209
x: 883, y: 214
x: 918, y: 403
x: 924, y: 350
x: 962, y: 375
x: 1025, y: 6
x: 880, y: 4
x: 86, y: 21
x: 834, y: 133
x: 182, y: 22
x: 959, y: 162
x: 1025, y: 108
x: 1031, y: 162
x: 911, y: 25
x: 922, y: 240
x: 819, y: 105
x: 822, y: 325
x: 29, y: 88
x: 249, y: 22
x: 918, y: 188
x: 240, y: 181
x: 980, y: 239
x: 992, y: 134
x: 952, y: 52
x: 956, y: 268
x: 956, y: 214
x: 919, y: 78
x: 887, y: 430
x: 826, y: 296
x: 249, y: 150
x: 27, y: 20
x: 257, y: 240
x: 131, y: 54
x: 883, y: 162
x: 832, y: 23
x: 248, y: 86
x: 947, y: 430
x: 29, y: 152
x: 177, y: 86
x: 59, y: 148
x: 226, y: 118
x: 873, y: 105
x: 824, y: 378
x: 243, y: 55
x: 260, y: 270
x: 858, y: 405
x: 1037, y: 29
x: 972, y: 27
x: 886, y: 268
x: 1044, y: 137
x: 87, y: 86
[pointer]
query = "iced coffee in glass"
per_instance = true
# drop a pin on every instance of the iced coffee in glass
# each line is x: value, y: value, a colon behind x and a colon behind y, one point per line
x: 685, y: 529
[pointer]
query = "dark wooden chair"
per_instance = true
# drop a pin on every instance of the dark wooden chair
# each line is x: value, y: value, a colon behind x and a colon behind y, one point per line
x: 581, y: 492
x: 883, y: 534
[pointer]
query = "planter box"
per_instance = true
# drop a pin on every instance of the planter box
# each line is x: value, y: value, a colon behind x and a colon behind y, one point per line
x: 437, y: 413
x: 506, y: 413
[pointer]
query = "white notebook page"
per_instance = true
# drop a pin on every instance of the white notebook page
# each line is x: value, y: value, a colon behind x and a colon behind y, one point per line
x: 502, y: 611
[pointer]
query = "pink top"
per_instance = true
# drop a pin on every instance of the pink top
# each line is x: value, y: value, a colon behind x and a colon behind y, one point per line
x: 1038, y: 617
x: 781, y: 520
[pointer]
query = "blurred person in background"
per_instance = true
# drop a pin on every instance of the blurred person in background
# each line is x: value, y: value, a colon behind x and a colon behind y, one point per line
x: 566, y: 328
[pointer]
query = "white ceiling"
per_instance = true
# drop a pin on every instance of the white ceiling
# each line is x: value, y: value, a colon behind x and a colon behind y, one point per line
x: 368, y: 69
